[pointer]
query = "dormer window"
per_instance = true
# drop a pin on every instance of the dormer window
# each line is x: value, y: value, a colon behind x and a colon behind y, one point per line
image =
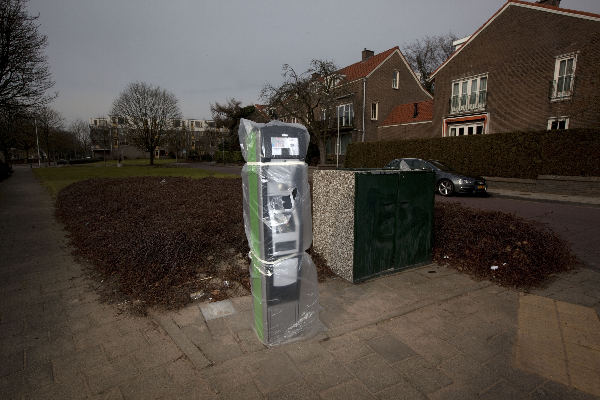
x: 395, y: 79
x: 564, y: 77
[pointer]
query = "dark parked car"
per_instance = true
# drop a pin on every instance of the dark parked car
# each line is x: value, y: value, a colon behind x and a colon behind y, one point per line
x: 447, y: 182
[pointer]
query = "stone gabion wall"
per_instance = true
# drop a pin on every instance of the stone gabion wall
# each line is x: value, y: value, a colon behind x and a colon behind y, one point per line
x: 333, y: 219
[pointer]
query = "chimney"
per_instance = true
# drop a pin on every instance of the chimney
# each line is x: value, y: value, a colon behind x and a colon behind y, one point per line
x: 554, y: 3
x: 416, y: 110
x: 366, y: 54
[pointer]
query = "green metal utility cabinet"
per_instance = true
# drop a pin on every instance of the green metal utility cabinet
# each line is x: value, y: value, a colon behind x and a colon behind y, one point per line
x: 371, y: 222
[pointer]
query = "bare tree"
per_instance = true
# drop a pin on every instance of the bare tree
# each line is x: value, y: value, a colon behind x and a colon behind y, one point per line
x: 24, y: 73
x: 81, y: 133
x: 426, y: 54
x: 307, y: 96
x: 212, y: 137
x: 100, y: 136
x: 48, y: 121
x: 147, y: 111
x: 179, y: 139
x: 25, y: 135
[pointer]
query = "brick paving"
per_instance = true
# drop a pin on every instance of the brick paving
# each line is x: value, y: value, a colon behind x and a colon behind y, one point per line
x: 57, y: 340
x: 427, y: 333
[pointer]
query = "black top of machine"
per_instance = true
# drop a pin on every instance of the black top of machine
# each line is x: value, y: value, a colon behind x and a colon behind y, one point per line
x: 283, y: 142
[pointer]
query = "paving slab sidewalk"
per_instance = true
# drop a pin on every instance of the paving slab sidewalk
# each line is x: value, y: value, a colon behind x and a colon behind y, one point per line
x: 427, y: 333
x: 57, y: 339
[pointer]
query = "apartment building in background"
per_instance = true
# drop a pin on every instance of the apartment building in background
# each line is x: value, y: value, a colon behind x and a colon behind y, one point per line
x: 110, y: 136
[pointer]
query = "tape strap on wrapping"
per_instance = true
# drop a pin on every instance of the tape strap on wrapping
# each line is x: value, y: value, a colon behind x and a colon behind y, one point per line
x: 259, y: 164
x: 253, y: 256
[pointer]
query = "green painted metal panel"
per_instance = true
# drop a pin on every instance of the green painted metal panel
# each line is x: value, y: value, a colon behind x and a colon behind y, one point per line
x: 414, y: 233
x: 374, y: 223
x: 253, y: 190
x: 393, y: 221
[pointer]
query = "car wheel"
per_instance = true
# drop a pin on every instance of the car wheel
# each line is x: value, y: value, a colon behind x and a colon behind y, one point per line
x: 445, y: 187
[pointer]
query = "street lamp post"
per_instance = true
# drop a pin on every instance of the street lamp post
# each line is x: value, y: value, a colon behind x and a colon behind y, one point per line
x: 37, y: 140
x: 337, y: 142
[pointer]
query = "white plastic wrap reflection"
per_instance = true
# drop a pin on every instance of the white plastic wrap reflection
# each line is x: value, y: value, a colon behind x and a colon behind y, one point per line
x: 278, y: 224
x: 286, y: 299
x: 282, y: 203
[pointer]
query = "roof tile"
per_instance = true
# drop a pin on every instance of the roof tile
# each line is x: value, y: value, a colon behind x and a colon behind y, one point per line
x: 363, y: 68
x: 404, y: 113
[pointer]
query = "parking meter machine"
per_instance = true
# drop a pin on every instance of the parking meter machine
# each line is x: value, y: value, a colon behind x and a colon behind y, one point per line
x: 278, y: 223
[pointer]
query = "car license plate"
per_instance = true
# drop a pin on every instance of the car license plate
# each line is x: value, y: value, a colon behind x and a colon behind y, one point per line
x: 481, y: 187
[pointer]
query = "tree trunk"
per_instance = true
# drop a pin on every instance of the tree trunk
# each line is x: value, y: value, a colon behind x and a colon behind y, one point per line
x: 5, y: 155
x: 322, y: 150
x: 47, y: 134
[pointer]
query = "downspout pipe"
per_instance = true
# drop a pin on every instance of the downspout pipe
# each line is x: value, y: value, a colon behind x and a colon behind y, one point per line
x: 364, y: 107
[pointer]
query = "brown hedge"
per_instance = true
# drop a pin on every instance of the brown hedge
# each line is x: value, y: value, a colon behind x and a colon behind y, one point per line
x: 156, y: 240
x: 498, y: 246
x: 574, y: 152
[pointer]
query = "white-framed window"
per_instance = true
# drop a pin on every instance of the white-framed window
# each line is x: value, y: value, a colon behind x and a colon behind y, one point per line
x: 564, y: 76
x: 558, y: 123
x: 395, y: 79
x: 345, y: 114
x: 466, y: 128
x: 374, y: 111
x: 469, y: 94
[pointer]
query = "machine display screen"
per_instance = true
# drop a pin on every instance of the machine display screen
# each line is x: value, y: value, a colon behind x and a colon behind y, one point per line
x: 285, y: 146
x: 285, y: 272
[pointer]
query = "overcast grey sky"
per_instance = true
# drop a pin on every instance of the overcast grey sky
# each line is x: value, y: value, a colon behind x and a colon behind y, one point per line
x: 207, y: 51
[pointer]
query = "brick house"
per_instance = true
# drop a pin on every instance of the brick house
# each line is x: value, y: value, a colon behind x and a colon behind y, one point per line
x: 531, y: 66
x: 370, y: 89
x: 408, y: 121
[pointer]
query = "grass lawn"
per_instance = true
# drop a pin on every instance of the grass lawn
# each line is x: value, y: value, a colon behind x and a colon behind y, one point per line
x: 137, y: 161
x: 56, y: 179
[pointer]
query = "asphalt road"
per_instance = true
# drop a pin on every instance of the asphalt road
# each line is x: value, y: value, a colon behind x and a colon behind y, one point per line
x: 579, y: 225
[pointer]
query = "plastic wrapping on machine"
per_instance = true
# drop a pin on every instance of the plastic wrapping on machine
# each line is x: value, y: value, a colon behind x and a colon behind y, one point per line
x: 285, y: 299
x: 272, y: 141
x: 280, y: 196
x: 278, y: 224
